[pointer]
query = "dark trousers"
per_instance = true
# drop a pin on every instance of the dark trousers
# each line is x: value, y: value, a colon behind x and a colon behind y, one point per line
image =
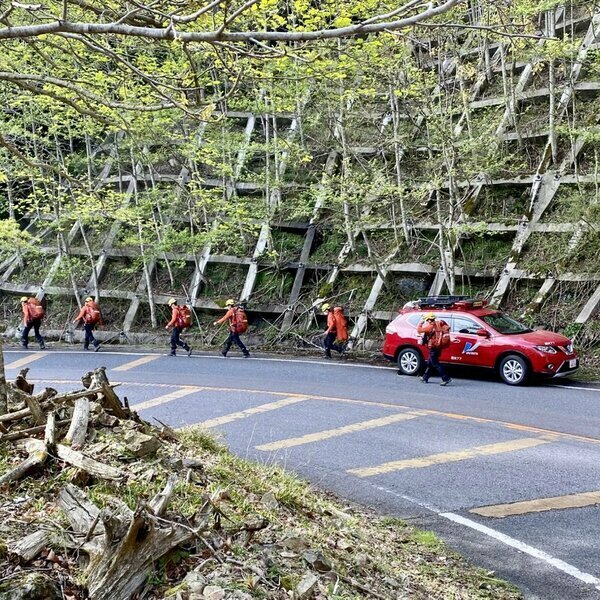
x: 88, y: 328
x: 234, y: 338
x: 433, y: 362
x: 328, y: 344
x: 35, y: 323
x: 176, y: 341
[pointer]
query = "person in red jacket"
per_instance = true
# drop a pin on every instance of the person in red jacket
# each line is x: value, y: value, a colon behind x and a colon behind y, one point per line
x: 91, y: 317
x: 233, y: 315
x: 178, y: 327
x: 33, y: 313
x: 336, y: 327
x: 436, y: 336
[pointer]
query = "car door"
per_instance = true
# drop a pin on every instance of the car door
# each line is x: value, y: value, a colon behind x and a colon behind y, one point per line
x: 466, y: 347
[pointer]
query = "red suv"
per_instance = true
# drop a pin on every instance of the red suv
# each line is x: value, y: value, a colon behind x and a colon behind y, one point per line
x: 479, y: 337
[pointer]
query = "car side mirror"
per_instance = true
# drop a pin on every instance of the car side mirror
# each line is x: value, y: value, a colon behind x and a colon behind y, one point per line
x: 483, y: 332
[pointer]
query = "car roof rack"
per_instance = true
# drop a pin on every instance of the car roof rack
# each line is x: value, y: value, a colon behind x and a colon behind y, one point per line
x: 440, y: 301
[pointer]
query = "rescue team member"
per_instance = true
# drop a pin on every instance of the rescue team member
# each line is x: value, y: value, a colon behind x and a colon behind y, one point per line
x: 238, y: 323
x: 33, y: 313
x: 178, y: 323
x: 337, y: 329
x: 91, y: 317
x: 436, y: 336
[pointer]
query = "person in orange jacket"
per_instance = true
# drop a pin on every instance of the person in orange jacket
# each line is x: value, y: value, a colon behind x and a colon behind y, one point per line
x: 336, y: 327
x: 178, y: 328
x: 436, y: 336
x: 33, y: 313
x: 91, y: 317
x: 235, y: 329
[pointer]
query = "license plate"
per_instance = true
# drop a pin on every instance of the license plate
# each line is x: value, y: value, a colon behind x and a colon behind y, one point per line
x: 572, y: 363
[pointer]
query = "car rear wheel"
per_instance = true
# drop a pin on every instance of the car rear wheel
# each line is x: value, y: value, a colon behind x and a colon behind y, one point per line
x: 409, y: 361
x: 514, y: 370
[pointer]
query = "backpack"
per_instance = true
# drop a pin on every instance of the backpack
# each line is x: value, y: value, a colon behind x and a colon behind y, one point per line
x: 184, y: 316
x: 93, y: 315
x: 341, y: 324
x: 239, y: 320
x: 439, y: 338
x: 36, y: 310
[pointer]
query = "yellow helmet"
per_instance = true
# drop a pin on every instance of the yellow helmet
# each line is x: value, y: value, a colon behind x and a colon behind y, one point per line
x: 172, y: 301
x: 428, y: 316
x: 89, y: 299
x: 230, y: 302
x: 325, y: 307
x: 24, y: 298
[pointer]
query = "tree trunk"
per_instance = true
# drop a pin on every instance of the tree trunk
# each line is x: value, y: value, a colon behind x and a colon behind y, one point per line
x: 3, y: 385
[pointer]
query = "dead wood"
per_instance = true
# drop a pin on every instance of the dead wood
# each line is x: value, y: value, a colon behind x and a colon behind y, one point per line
x: 79, y: 460
x: 91, y: 466
x: 25, y: 433
x: 159, y: 503
x: 21, y: 382
x: 30, y: 546
x: 34, y: 460
x: 107, y: 398
x: 50, y: 431
x: 37, y: 414
x: 79, y: 423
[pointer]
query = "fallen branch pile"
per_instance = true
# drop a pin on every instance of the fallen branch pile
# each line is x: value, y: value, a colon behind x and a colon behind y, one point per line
x: 119, y: 544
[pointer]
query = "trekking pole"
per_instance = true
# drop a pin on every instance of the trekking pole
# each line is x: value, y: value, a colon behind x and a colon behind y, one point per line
x: 189, y: 301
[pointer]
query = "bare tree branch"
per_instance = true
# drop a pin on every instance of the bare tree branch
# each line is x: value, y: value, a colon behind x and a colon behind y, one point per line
x: 168, y: 33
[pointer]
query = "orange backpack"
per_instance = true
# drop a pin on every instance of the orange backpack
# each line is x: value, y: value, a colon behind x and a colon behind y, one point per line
x: 239, y: 320
x: 184, y: 316
x: 36, y: 310
x: 93, y: 314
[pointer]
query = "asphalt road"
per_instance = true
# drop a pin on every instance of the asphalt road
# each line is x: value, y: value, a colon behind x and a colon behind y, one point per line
x: 429, y: 454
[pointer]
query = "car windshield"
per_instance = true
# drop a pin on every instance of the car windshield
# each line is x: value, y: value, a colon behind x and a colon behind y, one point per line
x: 505, y: 324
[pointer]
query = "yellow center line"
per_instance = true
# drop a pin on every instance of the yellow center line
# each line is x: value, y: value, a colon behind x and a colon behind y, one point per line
x: 180, y: 393
x: 500, y: 511
x: 243, y: 414
x: 447, y: 457
x: 330, y: 433
x: 136, y: 363
x: 21, y: 362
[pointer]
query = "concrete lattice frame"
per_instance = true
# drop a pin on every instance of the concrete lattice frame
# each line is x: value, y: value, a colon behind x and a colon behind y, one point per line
x: 544, y: 185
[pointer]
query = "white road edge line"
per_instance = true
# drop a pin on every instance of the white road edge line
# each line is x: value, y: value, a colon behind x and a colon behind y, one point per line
x: 561, y: 565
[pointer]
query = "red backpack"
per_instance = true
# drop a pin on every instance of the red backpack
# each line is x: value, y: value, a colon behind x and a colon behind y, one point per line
x: 239, y: 320
x: 36, y: 310
x: 184, y: 316
x: 93, y: 314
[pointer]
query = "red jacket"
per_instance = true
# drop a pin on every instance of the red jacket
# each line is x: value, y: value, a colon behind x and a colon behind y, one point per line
x: 341, y: 324
x: 227, y: 315
x: 174, y: 315
x: 330, y: 322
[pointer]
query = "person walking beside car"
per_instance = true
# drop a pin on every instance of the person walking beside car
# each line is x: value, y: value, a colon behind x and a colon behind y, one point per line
x: 238, y: 323
x: 180, y: 319
x: 436, y: 336
x: 33, y: 313
x: 91, y: 317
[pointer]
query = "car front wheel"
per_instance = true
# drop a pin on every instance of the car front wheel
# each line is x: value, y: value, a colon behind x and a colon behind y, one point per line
x: 514, y: 370
x: 409, y: 361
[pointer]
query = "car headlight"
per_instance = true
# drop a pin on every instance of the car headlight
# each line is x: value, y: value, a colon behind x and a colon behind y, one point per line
x: 569, y: 348
x: 546, y: 349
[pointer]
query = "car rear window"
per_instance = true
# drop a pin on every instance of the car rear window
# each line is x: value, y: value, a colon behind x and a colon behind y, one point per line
x: 414, y: 319
x: 505, y: 324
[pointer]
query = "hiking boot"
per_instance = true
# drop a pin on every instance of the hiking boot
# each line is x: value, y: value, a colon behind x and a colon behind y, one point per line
x: 223, y: 354
x: 42, y: 346
x: 188, y: 349
x: 172, y: 353
x: 96, y: 347
x: 247, y: 355
x: 86, y: 347
x: 446, y: 382
x: 423, y: 379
